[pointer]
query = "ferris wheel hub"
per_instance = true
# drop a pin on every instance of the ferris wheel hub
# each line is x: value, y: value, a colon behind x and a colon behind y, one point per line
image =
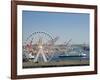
x: 40, y: 47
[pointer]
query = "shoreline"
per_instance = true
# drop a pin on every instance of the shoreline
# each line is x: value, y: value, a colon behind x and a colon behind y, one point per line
x: 55, y: 64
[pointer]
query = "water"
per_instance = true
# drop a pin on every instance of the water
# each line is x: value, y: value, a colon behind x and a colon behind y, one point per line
x: 76, y: 54
x: 69, y: 58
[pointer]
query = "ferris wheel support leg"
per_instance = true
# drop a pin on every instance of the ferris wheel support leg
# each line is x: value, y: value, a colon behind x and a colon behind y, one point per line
x: 36, y: 58
x: 44, y: 57
x: 42, y: 54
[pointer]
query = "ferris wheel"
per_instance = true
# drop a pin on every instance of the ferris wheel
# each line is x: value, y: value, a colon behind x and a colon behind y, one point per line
x: 40, y: 46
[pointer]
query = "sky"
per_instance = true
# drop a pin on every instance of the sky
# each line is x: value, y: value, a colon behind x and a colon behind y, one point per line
x: 66, y: 26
